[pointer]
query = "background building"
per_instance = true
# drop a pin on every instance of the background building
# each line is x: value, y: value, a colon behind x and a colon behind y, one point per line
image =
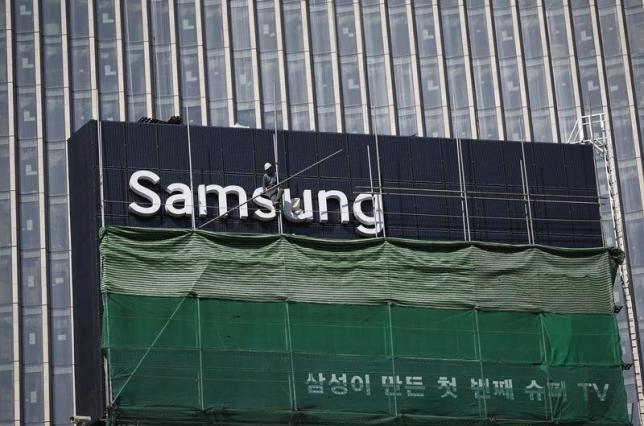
x: 497, y: 69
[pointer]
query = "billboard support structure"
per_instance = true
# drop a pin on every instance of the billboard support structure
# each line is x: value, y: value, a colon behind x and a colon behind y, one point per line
x: 380, y: 212
x: 526, y: 195
x: 463, y: 191
x: 192, y: 187
x: 377, y: 205
x: 584, y: 133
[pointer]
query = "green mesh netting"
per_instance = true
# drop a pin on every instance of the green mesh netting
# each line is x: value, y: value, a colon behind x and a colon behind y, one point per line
x: 231, y: 361
x: 371, y: 271
x: 204, y: 328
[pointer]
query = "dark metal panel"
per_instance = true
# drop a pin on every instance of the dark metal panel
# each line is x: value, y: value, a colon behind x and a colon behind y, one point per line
x: 394, y: 158
x: 263, y: 150
x: 141, y: 145
x: 172, y: 146
x: 300, y: 152
x: 114, y: 154
x: 356, y: 160
x: 84, y: 223
x: 206, y: 147
x: 237, y: 145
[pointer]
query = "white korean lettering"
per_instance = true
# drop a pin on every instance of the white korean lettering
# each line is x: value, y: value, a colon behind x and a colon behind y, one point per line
x: 315, y: 386
x: 535, y: 391
x: 338, y: 384
x: 391, y: 385
x: 503, y: 388
x: 448, y: 386
x: 481, y: 388
x: 558, y: 390
x: 414, y: 386
x: 358, y: 384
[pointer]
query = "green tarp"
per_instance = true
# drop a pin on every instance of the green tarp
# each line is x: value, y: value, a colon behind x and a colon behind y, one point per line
x: 348, y: 363
x: 182, y: 351
x: 370, y: 271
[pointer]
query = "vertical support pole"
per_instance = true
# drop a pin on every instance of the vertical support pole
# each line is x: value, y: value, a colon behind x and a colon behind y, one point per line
x: 100, y: 171
x: 548, y: 398
x: 380, y: 208
x: 200, y: 347
x: 289, y: 345
x: 107, y: 359
x: 526, y: 188
x: 467, y: 208
x: 526, y: 192
x: 192, y: 192
x: 394, y: 383
x: 375, y: 203
x: 463, y: 189
x: 460, y: 186
x: 280, y: 227
x: 478, y: 347
x: 525, y: 203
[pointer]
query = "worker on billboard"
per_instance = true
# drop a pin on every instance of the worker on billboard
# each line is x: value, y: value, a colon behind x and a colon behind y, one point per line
x: 269, y: 184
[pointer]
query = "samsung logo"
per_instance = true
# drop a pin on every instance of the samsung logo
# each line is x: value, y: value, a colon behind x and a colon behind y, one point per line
x: 180, y: 202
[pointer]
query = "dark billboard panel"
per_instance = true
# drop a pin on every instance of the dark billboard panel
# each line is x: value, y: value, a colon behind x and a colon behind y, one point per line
x: 129, y: 174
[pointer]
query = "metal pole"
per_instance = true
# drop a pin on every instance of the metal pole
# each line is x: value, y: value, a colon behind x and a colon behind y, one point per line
x: 100, y: 171
x: 192, y: 191
x: 525, y: 203
x: 380, y: 204
x: 280, y: 225
x: 373, y: 195
x: 527, y: 191
x: 289, y: 343
x: 524, y: 178
x: 461, y: 184
x: 200, y: 346
x: 277, y: 176
x: 467, y: 208
x: 394, y: 377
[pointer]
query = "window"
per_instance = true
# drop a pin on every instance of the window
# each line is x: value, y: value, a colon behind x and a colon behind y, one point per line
x: 510, y: 84
x: 425, y: 32
x: 133, y: 22
x: 55, y: 118
x: 346, y: 30
x: 399, y: 30
x: 505, y: 41
x: 161, y: 24
x: 377, y: 82
x: 372, y: 29
x: 214, y: 26
x: 186, y: 25
x: 478, y: 33
x: 452, y: 33
x: 483, y: 83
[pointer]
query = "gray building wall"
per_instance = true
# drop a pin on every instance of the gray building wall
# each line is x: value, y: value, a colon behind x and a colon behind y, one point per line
x: 498, y: 69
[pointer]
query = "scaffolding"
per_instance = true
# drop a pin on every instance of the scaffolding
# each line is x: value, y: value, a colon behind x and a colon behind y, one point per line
x: 592, y: 130
x: 219, y: 346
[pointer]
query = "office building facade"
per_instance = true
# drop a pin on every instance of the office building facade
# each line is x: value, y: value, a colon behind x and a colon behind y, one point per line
x: 481, y: 69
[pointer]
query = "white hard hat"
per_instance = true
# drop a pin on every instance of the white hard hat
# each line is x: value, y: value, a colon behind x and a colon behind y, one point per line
x: 267, y: 166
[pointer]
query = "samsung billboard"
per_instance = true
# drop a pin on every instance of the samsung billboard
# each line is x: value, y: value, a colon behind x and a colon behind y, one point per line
x: 423, y: 188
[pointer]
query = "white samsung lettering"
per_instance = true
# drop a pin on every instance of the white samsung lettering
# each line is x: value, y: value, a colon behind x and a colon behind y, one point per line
x: 341, y: 197
x: 222, y: 201
x: 305, y: 215
x: 142, y: 191
x: 266, y: 210
x: 180, y: 193
x: 369, y: 226
x: 180, y: 203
